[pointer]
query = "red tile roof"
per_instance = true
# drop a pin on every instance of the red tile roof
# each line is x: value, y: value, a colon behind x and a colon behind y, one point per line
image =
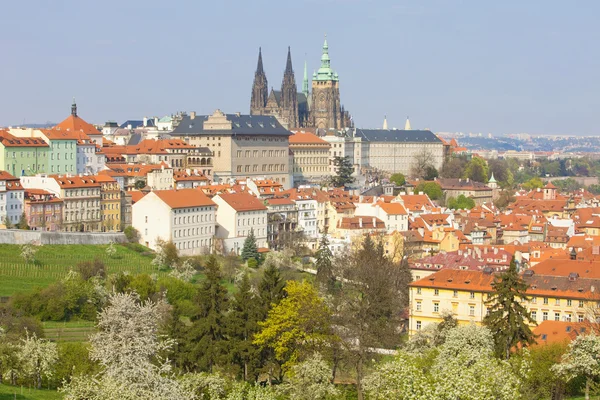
x: 9, y: 140
x: 393, y: 208
x: 75, y: 123
x: 307, y: 138
x: 184, y: 198
x: 242, y: 202
x: 457, y: 279
x: 75, y: 181
x: 360, y: 223
x: 549, y: 332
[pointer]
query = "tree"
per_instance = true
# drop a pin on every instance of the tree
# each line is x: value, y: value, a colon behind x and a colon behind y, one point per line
x: 542, y: 382
x: 324, y: 264
x: 132, y: 234
x: 111, y: 250
x: 140, y: 184
x: 431, y: 189
x: 206, y: 342
x: 420, y: 163
x: 28, y: 252
x: 581, y: 359
x: 501, y: 171
x: 128, y: 349
x: 476, y: 170
x: 309, y: 380
x: 453, y: 167
x: 7, y: 223
x: 398, y: 178
x: 38, y: 357
x: 250, y: 250
x: 167, y: 255
x: 461, y: 202
x: 506, y: 197
x: 508, y: 317
x: 90, y: 269
x: 343, y: 172
x: 22, y: 224
x: 270, y: 289
x: 430, y: 173
x: 372, y: 295
x: 299, y: 325
x: 533, y: 183
x: 242, y: 323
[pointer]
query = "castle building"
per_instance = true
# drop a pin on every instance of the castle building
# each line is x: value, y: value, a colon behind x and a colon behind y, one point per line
x: 320, y: 109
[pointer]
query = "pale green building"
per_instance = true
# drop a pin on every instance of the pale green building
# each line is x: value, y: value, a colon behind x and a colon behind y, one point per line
x: 23, y: 156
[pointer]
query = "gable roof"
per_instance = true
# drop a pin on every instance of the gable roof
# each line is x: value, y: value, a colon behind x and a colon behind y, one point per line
x: 75, y: 123
x: 397, y: 135
x: 240, y: 125
x: 307, y: 138
x: 75, y: 181
x: 9, y: 140
x: 184, y: 198
x: 242, y: 202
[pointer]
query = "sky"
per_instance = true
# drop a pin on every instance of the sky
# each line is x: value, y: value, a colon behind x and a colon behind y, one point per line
x: 495, y: 67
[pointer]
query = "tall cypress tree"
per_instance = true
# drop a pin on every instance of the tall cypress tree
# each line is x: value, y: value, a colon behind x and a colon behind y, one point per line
x: 508, y: 318
x: 270, y: 289
x: 242, y: 325
x: 250, y: 250
x: 324, y: 264
x: 206, y: 344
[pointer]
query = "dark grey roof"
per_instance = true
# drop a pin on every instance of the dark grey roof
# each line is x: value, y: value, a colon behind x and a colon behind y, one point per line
x: 397, y: 135
x: 137, y: 123
x: 302, y: 98
x: 240, y: 125
x: 135, y: 139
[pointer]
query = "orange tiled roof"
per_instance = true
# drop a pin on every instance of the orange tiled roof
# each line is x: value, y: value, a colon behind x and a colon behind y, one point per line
x: 242, y: 202
x: 562, y: 267
x: 75, y: 123
x: 549, y: 332
x: 136, y: 195
x: 75, y: 181
x: 184, y: 198
x: 393, y: 208
x: 9, y: 140
x: 457, y: 279
x: 307, y: 138
x: 360, y: 223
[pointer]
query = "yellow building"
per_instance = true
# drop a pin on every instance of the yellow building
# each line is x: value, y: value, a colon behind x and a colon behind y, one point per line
x: 110, y: 203
x: 559, y: 290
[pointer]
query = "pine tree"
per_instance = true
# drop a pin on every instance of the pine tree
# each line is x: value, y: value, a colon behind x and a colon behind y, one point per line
x: 250, y: 250
x: 344, y: 171
x: 206, y: 344
x: 324, y: 264
x: 242, y: 325
x: 508, y: 318
x: 270, y: 289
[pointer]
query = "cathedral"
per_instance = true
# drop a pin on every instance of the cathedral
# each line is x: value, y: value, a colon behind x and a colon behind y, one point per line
x: 319, y: 109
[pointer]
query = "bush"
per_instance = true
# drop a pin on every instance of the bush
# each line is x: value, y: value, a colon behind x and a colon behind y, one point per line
x: 132, y: 234
x: 252, y: 263
x: 89, y: 269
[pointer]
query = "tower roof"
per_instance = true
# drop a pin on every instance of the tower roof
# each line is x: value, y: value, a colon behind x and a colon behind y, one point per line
x: 407, y: 125
x: 325, y: 73
x: 492, y: 180
x: 259, y: 66
x: 288, y: 64
x: 385, y: 125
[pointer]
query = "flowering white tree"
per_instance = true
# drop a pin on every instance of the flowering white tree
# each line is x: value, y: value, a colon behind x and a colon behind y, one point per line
x: 128, y: 349
x: 38, y: 357
x: 309, y: 380
x: 184, y: 271
x: 111, y: 250
x: 28, y: 252
x: 581, y: 359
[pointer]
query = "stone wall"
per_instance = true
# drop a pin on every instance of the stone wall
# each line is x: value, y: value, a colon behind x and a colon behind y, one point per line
x: 16, y: 236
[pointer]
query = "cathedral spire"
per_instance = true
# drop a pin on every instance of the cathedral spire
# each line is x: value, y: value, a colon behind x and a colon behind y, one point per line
x: 407, y: 125
x: 305, y: 81
x: 74, y: 108
x: 259, y: 66
x: 260, y: 88
x: 385, y: 125
x: 288, y: 64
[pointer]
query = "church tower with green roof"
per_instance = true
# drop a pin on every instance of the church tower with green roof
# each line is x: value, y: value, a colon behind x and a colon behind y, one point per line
x: 326, y: 109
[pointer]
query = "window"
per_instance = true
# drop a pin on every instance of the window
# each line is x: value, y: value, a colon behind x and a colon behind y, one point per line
x: 472, y: 295
x: 569, y: 302
x: 455, y: 294
x: 436, y: 307
x: 472, y: 310
x: 534, y: 315
x: 418, y: 305
x: 239, y: 153
x: 533, y: 300
x: 568, y: 317
x: 580, y: 303
x: 146, y: 219
x: 557, y: 316
x: 436, y: 292
x: 418, y: 325
x: 418, y: 290
x: 545, y: 316
x: 557, y: 302
x: 579, y: 317
x: 545, y: 300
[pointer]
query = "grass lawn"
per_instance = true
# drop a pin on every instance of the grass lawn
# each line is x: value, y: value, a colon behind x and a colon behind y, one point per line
x: 53, y: 262
x: 8, y: 393
x: 72, y: 331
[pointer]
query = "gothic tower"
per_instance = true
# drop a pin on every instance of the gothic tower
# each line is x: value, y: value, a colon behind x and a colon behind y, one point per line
x: 326, y: 111
x: 289, y: 95
x: 260, y: 89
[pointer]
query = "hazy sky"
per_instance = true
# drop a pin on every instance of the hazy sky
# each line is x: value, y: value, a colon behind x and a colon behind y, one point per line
x: 470, y: 66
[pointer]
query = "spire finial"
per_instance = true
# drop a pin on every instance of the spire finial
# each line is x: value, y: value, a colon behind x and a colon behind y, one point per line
x: 385, y: 125
x: 288, y: 64
x: 305, y: 80
x: 259, y: 66
x: 407, y: 125
x: 74, y: 108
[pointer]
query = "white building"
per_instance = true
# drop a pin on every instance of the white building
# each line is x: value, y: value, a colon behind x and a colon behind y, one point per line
x: 307, y: 216
x: 186, y: 217
x: 90, y: 159
x: 394, y: 215
x: 12, y: 197
x: 238, y: 214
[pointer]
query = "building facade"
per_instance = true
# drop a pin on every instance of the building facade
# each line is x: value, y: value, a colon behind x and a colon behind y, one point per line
x: 43, y: 210
x: 23, y: 155
x: 310, y: 157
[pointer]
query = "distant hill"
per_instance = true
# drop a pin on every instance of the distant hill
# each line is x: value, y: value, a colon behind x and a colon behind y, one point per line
x: 36, y: 126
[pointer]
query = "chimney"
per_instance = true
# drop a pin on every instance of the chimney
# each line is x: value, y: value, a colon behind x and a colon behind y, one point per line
x: 495, y: 250
x: 374, y: 223
x: 193, y: 115
x: 467, y: 180
x: 155, y: 121
x: 360, y: 222
x: 421, y: 193
x: 238, y: 114
x: 145, y: 122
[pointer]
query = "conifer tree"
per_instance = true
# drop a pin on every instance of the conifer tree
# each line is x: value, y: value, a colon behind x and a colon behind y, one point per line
x: 324, y: 264
x: 206, y: 339
x: 270, y: 289
x: 250, y: 250
x: 343, y: 172
x: 508, y: 318
x: 242, y: 325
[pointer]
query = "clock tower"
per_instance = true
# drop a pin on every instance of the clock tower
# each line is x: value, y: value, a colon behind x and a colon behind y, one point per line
x: 326, y: 110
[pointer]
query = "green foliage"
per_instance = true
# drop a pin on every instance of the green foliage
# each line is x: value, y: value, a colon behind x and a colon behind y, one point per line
x: 73, y: 359
x: 398, y: 179
x: 430, y: 173
x: 594, y: 189
x: 541, y: 382
x: 299, y: 325
x: 310, y: 380
x: 205, y: 344
x: 22, y: 224
x: 140, y: 184
x: 476, y: 170
x: 132, y: 234
x: 508, y: 317
x: 461, y: 202
x: 324, y: 264
x: 431, y: 189
x: 250, y: 249
x: 167, y: 255
x: 343, y: 170
x: 506, y: 197
x: 567, y: 185
x: 533, y: 183
x: 270, y: 288
x: 582, y: 359
x: 90, y: 269
x: 453, y: 167
x: 502, y: 172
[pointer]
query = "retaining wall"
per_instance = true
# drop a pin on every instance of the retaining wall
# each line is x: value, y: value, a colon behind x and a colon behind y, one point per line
x: 17, y: 236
